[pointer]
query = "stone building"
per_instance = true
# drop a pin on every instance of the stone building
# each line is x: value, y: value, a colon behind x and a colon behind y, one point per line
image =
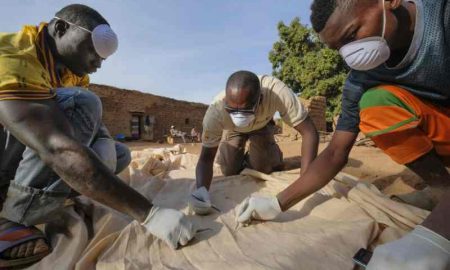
x: 143, y: 116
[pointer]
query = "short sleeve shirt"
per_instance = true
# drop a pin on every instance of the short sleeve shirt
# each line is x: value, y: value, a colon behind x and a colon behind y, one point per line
x: 276, y: 97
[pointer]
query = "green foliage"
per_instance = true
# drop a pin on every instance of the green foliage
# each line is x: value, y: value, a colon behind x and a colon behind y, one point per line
x: 301, y: 61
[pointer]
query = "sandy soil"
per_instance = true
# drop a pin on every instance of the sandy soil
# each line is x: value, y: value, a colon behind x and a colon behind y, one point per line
x: 368, y: 163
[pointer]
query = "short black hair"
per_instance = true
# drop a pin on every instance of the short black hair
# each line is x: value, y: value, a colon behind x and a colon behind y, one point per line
x: 321, y: 11
x: 81, y: 15
x: 244, y: 79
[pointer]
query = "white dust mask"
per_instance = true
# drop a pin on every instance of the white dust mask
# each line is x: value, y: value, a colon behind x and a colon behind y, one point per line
x: 104, y: 39
x: 367, y: 53
x: 242, y: 119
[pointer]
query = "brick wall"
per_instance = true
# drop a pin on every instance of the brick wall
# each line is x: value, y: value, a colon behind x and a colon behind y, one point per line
x: 120, y: 105
x: 317, y: 107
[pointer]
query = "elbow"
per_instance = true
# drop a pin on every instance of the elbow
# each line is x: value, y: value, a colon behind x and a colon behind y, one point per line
x: 339, y: 148
x: 338, y: 158
x: 48, y: 154
x: 57, y: 151
x: 342, y: 160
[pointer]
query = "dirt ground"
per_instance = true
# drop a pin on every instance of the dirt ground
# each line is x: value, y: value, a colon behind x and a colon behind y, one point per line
x: 368, y: 163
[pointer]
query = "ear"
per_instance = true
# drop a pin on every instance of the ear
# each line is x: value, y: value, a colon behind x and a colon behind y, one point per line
x: 393, y: 4
x: 61, y: 28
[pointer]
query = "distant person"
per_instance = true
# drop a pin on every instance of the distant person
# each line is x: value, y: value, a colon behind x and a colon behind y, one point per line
x: 244, y: 112
x: 45, y: 105
x: 172, y: 131
x: 176, y: 133
x: 195, y: 135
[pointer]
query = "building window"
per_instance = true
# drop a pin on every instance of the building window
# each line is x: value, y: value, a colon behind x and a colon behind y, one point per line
x: 186, y: 121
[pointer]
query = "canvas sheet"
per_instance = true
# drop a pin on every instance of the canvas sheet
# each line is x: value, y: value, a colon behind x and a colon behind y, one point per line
x: 322, y: 232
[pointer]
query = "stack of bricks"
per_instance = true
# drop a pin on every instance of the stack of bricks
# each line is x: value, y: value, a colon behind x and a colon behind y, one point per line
x: 317, y: 107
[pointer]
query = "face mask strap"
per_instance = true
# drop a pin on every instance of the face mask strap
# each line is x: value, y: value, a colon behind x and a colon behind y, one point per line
x: 80, y: 27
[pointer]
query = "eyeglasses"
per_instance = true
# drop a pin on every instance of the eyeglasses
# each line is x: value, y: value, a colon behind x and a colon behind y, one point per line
x: 244, y: 111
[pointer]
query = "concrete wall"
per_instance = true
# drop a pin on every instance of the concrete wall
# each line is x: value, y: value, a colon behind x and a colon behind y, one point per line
x: 120, y: 105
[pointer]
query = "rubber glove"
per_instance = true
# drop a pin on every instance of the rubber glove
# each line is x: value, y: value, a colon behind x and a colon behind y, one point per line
x: 199, y: 202
x: 258, y: 207
x: 422, y: 249
x: 169, y: 225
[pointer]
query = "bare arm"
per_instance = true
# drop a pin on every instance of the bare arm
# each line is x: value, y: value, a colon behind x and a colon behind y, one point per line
x: 320, y: 171
x: 41, y: 126
x: 310, y: 142
x: 439, y: 220
x: 204, y: 170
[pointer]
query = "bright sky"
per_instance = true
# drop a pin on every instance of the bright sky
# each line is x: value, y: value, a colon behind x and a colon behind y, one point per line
x: 183, y: 49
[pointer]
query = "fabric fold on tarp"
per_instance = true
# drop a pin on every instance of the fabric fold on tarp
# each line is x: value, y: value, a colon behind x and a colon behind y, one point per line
x: 323, y: 231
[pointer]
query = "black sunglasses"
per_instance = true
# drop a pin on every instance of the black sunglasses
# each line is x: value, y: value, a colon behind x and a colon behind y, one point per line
x: 245, y: 111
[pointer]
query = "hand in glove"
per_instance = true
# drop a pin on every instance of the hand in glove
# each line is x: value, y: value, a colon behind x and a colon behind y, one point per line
x: 169, y: 225
x: 422, y: 249
x: 258, y: 207
x: 199, y: 202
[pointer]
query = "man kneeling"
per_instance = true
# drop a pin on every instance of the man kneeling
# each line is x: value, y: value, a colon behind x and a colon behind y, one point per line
x: 244, y: 112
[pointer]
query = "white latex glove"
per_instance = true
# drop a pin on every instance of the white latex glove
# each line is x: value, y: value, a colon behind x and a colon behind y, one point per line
x: 169, y: 225
x: 258, y: 207
x: 422, y: 249
x: 199, y: 202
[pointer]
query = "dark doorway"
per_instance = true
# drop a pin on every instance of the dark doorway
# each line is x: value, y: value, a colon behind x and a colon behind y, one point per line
x: 136, y: 131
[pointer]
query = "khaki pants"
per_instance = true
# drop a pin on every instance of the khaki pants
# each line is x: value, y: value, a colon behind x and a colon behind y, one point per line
x: 263, y: 155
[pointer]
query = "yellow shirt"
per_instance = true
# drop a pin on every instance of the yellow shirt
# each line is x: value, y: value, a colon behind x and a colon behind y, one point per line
x: 27, y: 67
x: 276, y: 97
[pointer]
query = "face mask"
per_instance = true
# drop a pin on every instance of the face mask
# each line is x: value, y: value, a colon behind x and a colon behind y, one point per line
x: 367, y: 53
x: 242, y: 119
x: 103, y: 38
